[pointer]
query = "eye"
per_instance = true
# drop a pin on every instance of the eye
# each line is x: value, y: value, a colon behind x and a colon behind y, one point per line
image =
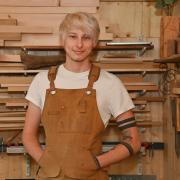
x: 72, y: 36
x: 86, y: 37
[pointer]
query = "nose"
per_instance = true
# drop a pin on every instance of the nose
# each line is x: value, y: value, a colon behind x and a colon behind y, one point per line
x: 79, y: 42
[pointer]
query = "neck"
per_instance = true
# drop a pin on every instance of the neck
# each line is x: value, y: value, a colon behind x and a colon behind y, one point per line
x: 77, y: 66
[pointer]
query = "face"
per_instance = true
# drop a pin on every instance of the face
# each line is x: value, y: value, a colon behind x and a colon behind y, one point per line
x: 78, y: 46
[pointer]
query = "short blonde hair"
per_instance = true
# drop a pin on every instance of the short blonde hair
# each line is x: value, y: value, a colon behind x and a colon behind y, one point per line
x: 81, y: 20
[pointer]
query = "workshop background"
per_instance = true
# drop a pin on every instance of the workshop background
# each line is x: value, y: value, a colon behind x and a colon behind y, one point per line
x: 139, y: 42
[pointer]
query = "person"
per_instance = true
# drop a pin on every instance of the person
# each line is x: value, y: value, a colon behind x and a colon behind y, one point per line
x: 74, y: 101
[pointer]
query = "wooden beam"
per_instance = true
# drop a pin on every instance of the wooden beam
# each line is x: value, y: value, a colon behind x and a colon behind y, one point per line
x: 45, y: 10
x: 10, y: 58
x: 26, y: 29
x: 79, y: 3
x: 29, y: 3
x: 10, y: 21
x: 10, y: 36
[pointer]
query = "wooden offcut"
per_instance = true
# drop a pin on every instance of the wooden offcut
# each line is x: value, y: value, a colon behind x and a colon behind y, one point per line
x: 10, y: 36
x: 169, y: 32
x: 9, y: 21
x: 26, y: 29
x: 79, y: 3
x: 10, y: 58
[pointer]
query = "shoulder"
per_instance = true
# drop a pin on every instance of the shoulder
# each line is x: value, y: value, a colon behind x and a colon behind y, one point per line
x: 43, y: 75
x: 109, y: 78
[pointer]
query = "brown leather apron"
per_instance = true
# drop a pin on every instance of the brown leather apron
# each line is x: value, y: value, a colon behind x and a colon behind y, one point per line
x: 73, y: 129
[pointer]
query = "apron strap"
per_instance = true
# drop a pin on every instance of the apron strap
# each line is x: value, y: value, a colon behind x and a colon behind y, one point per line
x: 93, y: 75
x: 52, y: 76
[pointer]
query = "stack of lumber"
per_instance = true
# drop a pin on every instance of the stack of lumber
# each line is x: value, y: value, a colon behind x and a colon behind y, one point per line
x: 37, y: 22
x: 15, y: 81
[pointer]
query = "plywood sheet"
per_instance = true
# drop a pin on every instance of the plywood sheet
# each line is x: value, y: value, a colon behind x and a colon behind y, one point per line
x: 126, y: 19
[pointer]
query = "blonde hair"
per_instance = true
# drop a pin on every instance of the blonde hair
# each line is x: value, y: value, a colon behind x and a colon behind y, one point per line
x: 83, y: 21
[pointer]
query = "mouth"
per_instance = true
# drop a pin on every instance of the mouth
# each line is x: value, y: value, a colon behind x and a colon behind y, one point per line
x: 78, y: 52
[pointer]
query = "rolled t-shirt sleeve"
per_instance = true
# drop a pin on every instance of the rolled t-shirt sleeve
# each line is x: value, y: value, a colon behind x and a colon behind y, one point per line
x: 119, y: 99
x: 33, y: 95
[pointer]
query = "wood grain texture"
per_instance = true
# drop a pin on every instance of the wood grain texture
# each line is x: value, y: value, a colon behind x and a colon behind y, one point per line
x: 25, y: 29
x: 9, y: 21
x: 10, y: 36
x: 169, y: 32
x: 45, y: 10
x: 10, y: 58
x: 79, y: 3
x: 29, y: 3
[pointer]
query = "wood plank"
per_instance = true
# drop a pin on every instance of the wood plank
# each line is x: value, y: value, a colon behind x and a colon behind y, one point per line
x: 126, y: 79
x: 18, y: 89
x: 14, y: 114
x: 26, y: 29
x: 9, y: 21
x: 141, y: 87
x: 17, y: 79
x: 13, y: 100
x: 45, y: 10
x: 29, y: 3
x: 169, y: 32
x: 15, y: 104
x: 12, y: 119
x: 120, y: 60
x: 10, y: 36
x: 145, y: 66
x: 79, y: 3
x: 10, y: 58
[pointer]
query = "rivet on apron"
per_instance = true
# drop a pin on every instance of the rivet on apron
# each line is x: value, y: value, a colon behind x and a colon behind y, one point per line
x: 53, y: 92
x: 62, y: 107
x: 88, y: 92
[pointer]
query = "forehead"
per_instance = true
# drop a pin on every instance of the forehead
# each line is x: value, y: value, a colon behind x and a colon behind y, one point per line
x: 79, y: 32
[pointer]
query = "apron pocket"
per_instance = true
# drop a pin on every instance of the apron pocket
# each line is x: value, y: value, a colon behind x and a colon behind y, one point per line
x: 48, y: 165
x: 81, y: 167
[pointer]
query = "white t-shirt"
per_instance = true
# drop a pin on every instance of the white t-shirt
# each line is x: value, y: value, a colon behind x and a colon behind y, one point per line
x: 112, y: 97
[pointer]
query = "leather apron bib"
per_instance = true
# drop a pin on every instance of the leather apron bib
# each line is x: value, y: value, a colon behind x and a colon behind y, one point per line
x: 73, y: 129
